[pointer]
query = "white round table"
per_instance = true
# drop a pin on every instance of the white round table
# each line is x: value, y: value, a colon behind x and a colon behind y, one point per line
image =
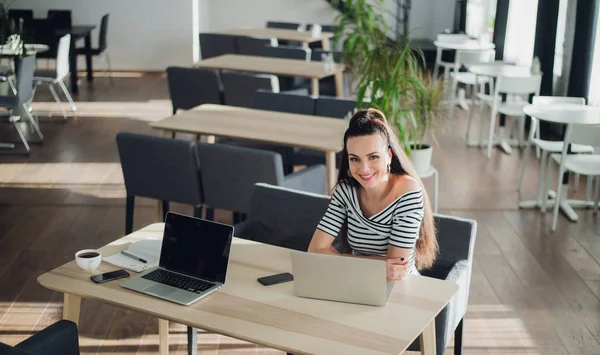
x: 468, y: 45
x: 496, y: 70
x: 563, y: 114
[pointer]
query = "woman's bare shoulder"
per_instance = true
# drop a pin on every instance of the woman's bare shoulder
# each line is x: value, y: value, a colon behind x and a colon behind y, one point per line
x: 405, y: 183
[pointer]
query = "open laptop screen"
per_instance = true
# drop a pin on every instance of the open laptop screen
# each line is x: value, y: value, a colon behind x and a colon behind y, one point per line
x: 196, y: 247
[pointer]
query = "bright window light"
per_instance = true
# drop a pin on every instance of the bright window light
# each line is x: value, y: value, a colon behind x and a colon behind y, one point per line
x: 594, y: 91
x: 520, y: 32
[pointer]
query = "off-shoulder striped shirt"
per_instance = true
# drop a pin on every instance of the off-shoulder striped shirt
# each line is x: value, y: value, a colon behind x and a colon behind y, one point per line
x: 398, y: 224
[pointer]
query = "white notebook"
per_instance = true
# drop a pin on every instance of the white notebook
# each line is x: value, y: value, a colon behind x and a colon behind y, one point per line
x: 148, y: 250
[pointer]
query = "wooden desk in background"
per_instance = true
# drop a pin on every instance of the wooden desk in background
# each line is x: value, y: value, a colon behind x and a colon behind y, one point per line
x: 270, y: 316
x: 283, y: 34
x: 313, y: 132
x: 278, y: 66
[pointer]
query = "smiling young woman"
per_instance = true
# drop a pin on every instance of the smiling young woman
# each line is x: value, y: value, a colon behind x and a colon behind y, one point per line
x: 379, y: 207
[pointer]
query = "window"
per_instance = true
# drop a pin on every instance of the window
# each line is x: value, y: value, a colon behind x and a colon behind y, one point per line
x: 594, y: 91
x: 520, y: 32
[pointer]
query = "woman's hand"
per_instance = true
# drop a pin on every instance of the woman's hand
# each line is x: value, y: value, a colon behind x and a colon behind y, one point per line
x: 396, y: 269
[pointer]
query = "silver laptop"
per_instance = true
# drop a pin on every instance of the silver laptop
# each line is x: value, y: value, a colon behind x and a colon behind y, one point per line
x: 341, y: 278
x: 193, y: 260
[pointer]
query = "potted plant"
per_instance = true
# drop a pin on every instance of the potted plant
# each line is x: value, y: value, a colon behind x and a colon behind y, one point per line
x: 389, y: 73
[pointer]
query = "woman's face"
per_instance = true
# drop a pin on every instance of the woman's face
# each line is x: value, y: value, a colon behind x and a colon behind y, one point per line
x: 368, y: 158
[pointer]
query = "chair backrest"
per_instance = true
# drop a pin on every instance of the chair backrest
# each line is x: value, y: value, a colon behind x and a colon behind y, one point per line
x: 239, y: 88
x: 287, y: 52
x: 284, y: 217
x: 254, y: 45
x: 284, y: 25
x: 284, y: 102
x: 25, y: 79
x: 216, y: 44
x: 581, y: 134
x: 334, y: 107
x: 467, y: 58
x: 103, y: 33
x: 456, y: 240
x: 160, y: 168
x: 324, y: 28
x: 60, y: 18
x: 62, y: 57
x: 230, y: 172
x: 317, y: 53
x: 190, y: 87
x: 452, y: 38
x: 519, y: 85
x: 45, y: 33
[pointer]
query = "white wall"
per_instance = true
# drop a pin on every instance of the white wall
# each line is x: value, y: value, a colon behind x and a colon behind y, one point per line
x: 142, y: 34
x: 255, y: 13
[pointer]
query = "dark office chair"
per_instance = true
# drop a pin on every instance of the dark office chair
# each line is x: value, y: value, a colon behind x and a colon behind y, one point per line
x: 216, y: 44
x: 45, y: 33
x: 61, y: 19
x: 290, y: 52
x: 254, y: 45
x: 284, y: 25
x: 159, y: 168
x: 284, y: 102
x: 190, y: 87
x: 239, y: 87
x: 456, y: 238
x: 61, y: 338
x: 102, y: 45
x: 282, y: 217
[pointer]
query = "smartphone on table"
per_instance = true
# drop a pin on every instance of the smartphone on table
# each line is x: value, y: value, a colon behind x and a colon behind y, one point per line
x: 276, y: 279
x: 109, y: 276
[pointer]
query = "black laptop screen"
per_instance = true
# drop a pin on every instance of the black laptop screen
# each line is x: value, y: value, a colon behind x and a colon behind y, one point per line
x: 196, y: 247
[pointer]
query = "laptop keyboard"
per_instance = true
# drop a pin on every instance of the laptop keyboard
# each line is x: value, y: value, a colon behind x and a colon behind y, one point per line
x: 178, y: 281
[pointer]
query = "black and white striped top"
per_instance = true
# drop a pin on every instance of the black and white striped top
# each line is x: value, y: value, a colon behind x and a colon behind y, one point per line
x: 398, y: 224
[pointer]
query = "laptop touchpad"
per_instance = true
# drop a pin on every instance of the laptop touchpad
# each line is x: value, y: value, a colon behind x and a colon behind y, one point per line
x: 160, y: 290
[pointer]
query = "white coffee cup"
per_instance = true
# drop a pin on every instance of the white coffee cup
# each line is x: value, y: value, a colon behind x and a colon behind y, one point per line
x: 316, y: 30
x: 88, y: 259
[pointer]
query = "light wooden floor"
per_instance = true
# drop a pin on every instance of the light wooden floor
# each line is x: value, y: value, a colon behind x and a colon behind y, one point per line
x: 532, y: 291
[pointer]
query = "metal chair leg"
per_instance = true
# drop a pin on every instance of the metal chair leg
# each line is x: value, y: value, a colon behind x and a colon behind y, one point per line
x: 15, y: 122
x: 57, y: 99
x: 33, y: 122
x: 68, y: 95
x: 458, y: 337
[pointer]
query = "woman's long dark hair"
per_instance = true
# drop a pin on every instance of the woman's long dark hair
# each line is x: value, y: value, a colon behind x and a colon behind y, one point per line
x: 371, y: 121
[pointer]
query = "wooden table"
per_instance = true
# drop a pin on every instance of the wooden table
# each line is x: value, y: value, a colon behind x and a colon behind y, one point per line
x: 283, y: 34
x: 278, y: 66
x: 270, y: 316
x: 314, y: 132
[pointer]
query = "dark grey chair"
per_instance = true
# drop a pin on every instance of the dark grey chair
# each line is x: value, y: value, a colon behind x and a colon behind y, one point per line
x: 102, y: 44
x: 290, y: 52
x: 60, y: 18
x: 230, y: 172
x: 284, y: 25
x: 239, y: 88
x: 284, y: 102
x: 254, y: 45
x: 216, y: 44
x: 190, y: 87
x: 456, y: 238
x: 324, y: 28
x: 327, y: 107
x: 60, y: 338
x: 282, y: 217
x: 26, y: 68
x: 159, y: 168
x: 326, y: 85
x: 334, y: 107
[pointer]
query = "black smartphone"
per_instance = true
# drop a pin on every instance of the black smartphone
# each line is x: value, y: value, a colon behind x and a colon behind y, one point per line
x: 276, y: 279
x: 109, y: 276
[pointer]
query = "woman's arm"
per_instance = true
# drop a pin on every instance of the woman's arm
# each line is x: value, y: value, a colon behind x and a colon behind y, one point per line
x: 322, y: 243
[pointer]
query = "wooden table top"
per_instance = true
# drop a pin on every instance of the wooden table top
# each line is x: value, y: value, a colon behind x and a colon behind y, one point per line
x: 313, y: 132
x: 277, y: 66
x: 272, y: 316
x: 283, y: 34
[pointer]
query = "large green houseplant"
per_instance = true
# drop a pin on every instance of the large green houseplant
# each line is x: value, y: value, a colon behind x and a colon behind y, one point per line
x: 388, y: 73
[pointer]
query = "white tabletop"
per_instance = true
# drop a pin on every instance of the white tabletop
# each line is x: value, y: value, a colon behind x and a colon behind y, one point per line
x: 565, y: 113
x: 30, y: 48
x: 500, y: 69
x: 468, y: 45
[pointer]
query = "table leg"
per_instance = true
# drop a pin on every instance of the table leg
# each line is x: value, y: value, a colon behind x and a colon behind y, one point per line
x: 163, y: 337
x: 427, y: 339
x: 325, y: 44
x: 330, y: 166
x: 88, y: 56
x: 73, y: 67
x: 305, y: 45
x: 71, y: 308
x: 315, y: 87
x: 339, y: 84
